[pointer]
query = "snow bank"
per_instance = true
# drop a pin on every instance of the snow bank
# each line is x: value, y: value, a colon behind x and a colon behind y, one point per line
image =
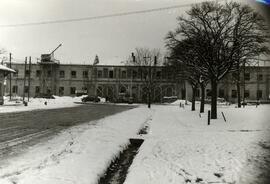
x: 38, y: 103
x: 177, y: 102
x: 182, y: 148
x: 79, y: 155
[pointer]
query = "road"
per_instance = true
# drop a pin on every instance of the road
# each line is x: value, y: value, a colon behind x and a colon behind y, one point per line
x: 19, y: 130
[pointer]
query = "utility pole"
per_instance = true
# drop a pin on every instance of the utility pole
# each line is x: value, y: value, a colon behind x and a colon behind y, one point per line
x: 10, y: 77
x: 24, y: 78
x: 29, y: 78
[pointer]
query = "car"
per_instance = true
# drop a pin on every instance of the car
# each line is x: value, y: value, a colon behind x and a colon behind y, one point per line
x: 90, y: 99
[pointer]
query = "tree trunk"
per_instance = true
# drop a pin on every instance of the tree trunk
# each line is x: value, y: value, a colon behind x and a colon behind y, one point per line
x: 238, y: 85
x: 238, y: 94
x: 193, y: 98
x: 202, y: 98
x: 213, y: 99
x: 149, y: 99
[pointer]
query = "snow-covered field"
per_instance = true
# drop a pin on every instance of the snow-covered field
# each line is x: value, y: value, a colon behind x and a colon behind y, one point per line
x: 182, y: 148
x: 179, y: 148
x: 38, y: 103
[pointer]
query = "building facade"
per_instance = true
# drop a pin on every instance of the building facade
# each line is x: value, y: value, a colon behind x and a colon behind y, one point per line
x: 111, y: 82
x: 117, y: 82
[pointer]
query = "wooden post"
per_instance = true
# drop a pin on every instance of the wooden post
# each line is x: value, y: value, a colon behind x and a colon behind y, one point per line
x: 24, y: 78
x: 29, y: 79
x: 209, y: 116
x: 10, y: 90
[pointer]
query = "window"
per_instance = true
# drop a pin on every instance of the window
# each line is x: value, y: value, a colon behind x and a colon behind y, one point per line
x: 259, y: 94
x: 208, y: 92
x: 85, y: 74
x: 16, y: 74
x: 61, y: 91
x: 49, y: 91
x: 124, y: 74
x: 221, y: 93
x: 49, y: 73
x: 158, y: 74
x: 99, y: 74
x: 73, y: 74
x: 260, y: 77
x: 247, y: 76
x: 234, y: 93
x: 246, y: 94
x: 134, y: 74
x: 26, y: 89
x: 122, y: 89
x: 62, y: 74
x: 27, y: 72
x: 72, y: 90
x: 37, y: 90
x: 38, y: 73
x: 105, y: 72
x: 14, y: 89
x: 111, y: 74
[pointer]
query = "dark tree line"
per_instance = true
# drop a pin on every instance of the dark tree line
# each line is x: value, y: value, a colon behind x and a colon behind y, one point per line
x: 215, y: 39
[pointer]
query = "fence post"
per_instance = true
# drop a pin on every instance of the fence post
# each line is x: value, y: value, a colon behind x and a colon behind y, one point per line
x: 223, y: 116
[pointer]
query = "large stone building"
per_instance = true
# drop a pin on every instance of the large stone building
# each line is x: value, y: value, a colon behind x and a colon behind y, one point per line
x: 117, y: 82
x: 112, y: 82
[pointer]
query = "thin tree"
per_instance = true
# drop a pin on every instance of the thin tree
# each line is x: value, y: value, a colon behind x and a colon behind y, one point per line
x: 146, y: 59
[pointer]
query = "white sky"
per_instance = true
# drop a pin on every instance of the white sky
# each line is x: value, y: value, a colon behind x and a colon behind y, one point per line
x: 112, y: 39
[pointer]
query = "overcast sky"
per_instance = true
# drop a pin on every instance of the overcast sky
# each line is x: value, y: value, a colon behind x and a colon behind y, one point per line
x: 112, y: 39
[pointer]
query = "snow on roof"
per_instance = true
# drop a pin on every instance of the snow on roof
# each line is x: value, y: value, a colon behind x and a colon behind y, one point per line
x: 4, y: 68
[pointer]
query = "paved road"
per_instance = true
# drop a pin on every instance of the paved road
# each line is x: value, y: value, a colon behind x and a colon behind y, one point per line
x: 22, y: 129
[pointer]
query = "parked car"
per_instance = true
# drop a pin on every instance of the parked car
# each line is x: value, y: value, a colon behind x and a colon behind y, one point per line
x: 251, y: 102
x: 90, y: 99
x: 80, y: 92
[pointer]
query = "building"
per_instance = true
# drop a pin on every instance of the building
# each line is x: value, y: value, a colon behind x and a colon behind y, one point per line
x: 4, y: 71
x: 112, y: 82
x: 115, y: 83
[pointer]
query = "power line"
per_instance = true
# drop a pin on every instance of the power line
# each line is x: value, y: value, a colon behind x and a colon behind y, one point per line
x: 98, y: 17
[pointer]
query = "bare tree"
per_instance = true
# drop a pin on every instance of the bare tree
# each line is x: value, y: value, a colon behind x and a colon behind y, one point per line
x: 147, y: 60
x: 221, y: 41
x: 251, y: 33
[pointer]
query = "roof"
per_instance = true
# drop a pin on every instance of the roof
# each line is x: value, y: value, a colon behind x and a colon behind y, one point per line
x: 6, y: 69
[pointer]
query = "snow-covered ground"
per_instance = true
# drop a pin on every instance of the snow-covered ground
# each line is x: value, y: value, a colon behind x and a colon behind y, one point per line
x: 182, y: 148
x: 16, y: 105
x: 77, y: 155
x: 179, y: 148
